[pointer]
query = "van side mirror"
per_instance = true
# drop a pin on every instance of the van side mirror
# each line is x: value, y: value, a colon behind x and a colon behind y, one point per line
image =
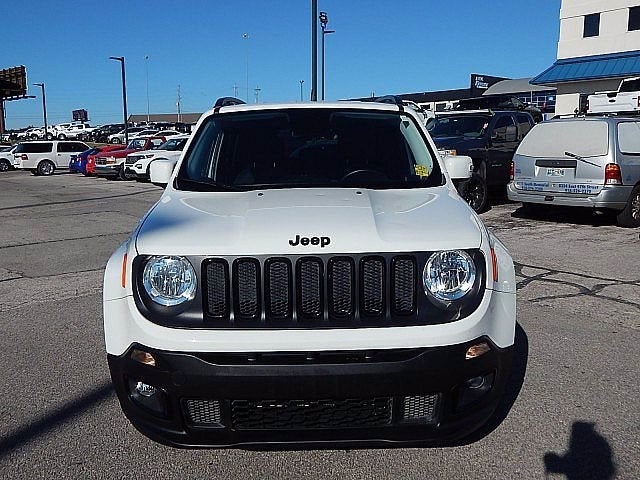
x: 160, y: 172
x: 460, y: 167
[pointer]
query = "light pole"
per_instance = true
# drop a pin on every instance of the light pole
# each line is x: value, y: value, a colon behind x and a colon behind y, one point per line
x: 44, y: 108
x: 124, y: 99
x: 301, y: 82
x: 324, y: 19
x: 146, y: 69
x: 246, y: 37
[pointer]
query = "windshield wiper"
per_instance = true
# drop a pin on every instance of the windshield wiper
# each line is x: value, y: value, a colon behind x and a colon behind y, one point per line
x: 578, y: 157
x: 206, y: 185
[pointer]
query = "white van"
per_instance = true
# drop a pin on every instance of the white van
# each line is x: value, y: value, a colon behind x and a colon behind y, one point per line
x: 43, y: 158
x: 581, y: 162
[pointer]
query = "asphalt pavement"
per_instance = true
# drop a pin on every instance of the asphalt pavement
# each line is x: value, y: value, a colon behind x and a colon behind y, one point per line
x: 571, y: 410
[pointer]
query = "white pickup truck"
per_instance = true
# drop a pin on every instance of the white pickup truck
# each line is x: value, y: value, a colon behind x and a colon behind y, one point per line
x: 625, y: 99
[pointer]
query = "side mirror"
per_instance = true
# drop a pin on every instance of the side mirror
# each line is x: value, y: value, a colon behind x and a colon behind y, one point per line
x: 460, y: 167
x: 160, y: 172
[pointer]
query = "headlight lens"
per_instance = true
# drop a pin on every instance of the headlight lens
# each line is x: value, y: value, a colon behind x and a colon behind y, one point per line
x: 449, y: 275
x: 169, y: 280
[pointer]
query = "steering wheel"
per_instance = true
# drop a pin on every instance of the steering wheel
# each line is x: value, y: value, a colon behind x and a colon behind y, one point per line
x: 365, y: 171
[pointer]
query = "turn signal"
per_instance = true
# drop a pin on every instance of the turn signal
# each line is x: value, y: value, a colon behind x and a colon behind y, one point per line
x: 123, y: 278
x: 477, y: 350
x: 511, y: 171
x: 143, y: 357
x: 612, y: 174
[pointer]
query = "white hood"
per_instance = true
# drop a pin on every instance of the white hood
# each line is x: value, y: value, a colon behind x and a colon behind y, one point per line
x: 264, y: 222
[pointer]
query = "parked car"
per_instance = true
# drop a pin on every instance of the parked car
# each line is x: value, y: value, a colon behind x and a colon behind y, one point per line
x: 624, y: 100
x: 137, y: 164
x: 6, y: 157
x: 29, y: 134
x: 101, y: 134
x: 79, y: 162
x: 44, y: 157
x: 55, y: 130
x: 111, y: 164
x: 79, y: 130
x: 90, y: 167
x: 489, y: 138
x: 168, y: 133
x: 309, y: 274
x: 500, y: 103
x: 119, y: 137
x: 147, y: 132
x: 581, y: 162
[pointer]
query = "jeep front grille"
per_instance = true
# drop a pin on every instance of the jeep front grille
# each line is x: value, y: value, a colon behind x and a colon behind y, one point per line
x: 309, y: 291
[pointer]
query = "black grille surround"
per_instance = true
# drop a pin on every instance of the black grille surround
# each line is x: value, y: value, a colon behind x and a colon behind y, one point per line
x: 309, y: 291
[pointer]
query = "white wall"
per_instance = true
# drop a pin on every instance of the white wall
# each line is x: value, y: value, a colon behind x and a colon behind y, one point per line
x: 614, y: 37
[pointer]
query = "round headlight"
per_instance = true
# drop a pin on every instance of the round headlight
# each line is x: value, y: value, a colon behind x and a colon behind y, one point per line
x: 169, y: 280
x: 449, y: 275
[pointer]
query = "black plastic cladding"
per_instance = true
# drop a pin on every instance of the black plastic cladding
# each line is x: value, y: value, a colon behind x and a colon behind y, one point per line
x: 196, y: 313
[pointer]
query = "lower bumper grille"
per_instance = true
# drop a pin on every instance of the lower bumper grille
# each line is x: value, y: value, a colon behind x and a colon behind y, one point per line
x: 312, y: 414
x: 316, y: 414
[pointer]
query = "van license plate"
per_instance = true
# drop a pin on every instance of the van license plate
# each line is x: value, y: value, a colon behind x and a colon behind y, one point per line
x: 555, y: 172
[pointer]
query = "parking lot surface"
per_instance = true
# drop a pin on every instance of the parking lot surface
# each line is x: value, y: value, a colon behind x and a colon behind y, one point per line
x: 571, y: 410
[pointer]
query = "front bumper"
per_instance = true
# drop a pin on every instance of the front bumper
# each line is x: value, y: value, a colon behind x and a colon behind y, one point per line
x: 107, y: 170
x: 131, y: 173
x: 611, y: 196
x: 277, y: 398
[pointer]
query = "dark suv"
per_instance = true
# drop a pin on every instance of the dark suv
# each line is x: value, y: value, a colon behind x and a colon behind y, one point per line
x: 489, y: 138
x: 100, y: 134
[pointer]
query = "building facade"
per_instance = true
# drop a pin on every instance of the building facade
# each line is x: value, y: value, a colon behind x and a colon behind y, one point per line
x: 598, y: 46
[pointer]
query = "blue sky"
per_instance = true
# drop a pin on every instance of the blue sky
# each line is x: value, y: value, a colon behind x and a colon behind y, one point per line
x: 391, y: 46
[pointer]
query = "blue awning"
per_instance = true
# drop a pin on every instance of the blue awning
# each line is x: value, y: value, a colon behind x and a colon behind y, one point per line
x: 595, y: 67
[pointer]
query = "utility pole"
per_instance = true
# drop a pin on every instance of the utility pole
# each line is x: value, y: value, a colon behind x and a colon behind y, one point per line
x: 235, y: 90
x: 178, y: 105
x: 314, y: 50
x: 257, y: 93
x: 301, y: 83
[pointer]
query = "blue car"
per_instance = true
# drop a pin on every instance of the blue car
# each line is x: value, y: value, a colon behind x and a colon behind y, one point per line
x: 78, y: 163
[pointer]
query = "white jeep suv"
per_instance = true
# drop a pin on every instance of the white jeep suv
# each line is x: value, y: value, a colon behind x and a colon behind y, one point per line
x: 310, y: 274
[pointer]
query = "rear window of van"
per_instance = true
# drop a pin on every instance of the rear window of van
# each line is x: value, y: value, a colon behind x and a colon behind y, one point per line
x: 553, y: 139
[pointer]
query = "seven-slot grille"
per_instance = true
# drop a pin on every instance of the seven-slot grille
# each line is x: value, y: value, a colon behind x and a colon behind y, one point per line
x: 309, y: 290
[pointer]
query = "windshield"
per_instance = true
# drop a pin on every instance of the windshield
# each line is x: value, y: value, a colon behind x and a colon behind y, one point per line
x: 473, y: 126
x: 309, y: 148
x: 173, y: 144
x: 136, y: 144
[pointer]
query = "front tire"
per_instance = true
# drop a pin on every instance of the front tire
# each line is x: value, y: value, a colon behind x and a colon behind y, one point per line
x: 62, y: 136
x: 474, y: 191
x: 630, y: 216
x: 116, y: 141
x: 45, y: 167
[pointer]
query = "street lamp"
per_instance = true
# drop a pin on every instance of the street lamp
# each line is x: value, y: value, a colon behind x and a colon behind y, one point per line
x: 124, y: 99
x: 301, y: 82
x: 324, y: 19
x: 44, y: 108
x: 146, y: 68
x: 246, y: 37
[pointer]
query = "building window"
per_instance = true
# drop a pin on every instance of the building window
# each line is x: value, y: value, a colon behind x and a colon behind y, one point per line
x: 591, y: 25
x: 634, y: 18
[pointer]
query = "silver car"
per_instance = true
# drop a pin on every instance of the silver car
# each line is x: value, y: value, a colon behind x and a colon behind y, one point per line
x: 581, y: 162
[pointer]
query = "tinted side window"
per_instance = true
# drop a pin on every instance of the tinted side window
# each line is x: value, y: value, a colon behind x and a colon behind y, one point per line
x: 35, y: 148
x: 524, y: 124
x: 630, y: 86
x: 65, y: 147
x: 501, y: 128
x: 629, y: 137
